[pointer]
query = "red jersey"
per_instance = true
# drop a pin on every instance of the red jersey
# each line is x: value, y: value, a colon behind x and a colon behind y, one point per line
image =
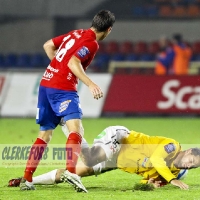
x: 80, y: 43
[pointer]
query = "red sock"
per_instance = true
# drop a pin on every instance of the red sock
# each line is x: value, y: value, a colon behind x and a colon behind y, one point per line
x: 35, y: 156
x: 73, y: 148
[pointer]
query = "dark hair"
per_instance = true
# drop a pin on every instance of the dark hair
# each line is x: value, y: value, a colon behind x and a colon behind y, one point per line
x: 103, y: 20
x: 196, y: 151
x: 178, y: 37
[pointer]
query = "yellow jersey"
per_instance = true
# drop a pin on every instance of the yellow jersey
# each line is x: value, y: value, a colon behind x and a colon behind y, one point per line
x: 149, y: 156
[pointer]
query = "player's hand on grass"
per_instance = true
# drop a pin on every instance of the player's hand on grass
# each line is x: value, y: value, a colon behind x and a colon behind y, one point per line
x: 156, y: 184
x: 180, y: 184
x: 96, y: 91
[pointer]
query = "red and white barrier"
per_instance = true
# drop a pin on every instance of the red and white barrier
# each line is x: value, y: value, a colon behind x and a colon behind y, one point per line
x: 153, y: 94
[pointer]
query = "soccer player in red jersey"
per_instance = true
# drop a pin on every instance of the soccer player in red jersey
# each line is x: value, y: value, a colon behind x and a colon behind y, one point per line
x: 70, y: 55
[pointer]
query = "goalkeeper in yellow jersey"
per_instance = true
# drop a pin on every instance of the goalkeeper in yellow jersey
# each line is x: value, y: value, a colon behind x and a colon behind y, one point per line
x: 157, y: 159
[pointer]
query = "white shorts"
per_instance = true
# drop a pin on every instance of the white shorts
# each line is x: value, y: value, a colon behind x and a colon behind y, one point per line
x: 104, y: 166
x: 110, y: 141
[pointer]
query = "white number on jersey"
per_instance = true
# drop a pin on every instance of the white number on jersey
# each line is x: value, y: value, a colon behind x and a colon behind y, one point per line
x: 63, y: 50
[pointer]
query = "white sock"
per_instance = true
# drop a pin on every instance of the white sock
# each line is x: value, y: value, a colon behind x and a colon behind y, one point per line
x: 45, y: 179
x: 84, y: 144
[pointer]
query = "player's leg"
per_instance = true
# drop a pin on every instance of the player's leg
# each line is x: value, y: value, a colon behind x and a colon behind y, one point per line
x: 101, y: 150
x: 48, y: 121
x: 36, y: 153
x: 90, y: 156
x: 66, y: 105
x: 49, y: 178
x: 103, y: 167
x: 34, y: 158
x: 73, y: 144
x: 93, y: 156
x: 73, y: 147
x: 71, y: 112
x: 81, y: 170
x: 56, y: 176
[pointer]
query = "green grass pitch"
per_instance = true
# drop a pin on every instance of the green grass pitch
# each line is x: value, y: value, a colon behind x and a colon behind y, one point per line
x: 111, y: 185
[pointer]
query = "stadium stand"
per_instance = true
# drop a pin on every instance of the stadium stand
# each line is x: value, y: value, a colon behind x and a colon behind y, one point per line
x: 36, y: 60
x: 140, y: 51
x: 165, y: 11
x: 193, y: 11
x: 133, y: 51
x: 23, y: 60
x: 153, y: 47
x: 10, y: 60
x: 179, y: 11
x: 2, y: 64
x: 126, y: 47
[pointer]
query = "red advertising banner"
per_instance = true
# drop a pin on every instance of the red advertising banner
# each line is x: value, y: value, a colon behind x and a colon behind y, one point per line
x: 153, y: 94
x: 2, y: 79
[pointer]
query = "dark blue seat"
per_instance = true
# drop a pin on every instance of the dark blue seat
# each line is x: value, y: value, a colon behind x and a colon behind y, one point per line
x: 46, y: 61
x: 117, y: 57
x: 197, y: 57
x: 2, y: 61
x: 101, y: 61
x: 147, y: 57
x: 139, y: 11
x: 194, y: 57
x: 152, y: 11
x: 23, y: 60
x: 36, y: 60
x: 10, y: 60
x: 131, y: 57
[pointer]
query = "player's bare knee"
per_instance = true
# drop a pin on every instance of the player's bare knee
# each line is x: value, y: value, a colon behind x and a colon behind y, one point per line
x: 94, y: 156
x: 85, y: 156
x: 90, y: 171
x: 46, y: 135
x: 97, y: 155
x: 75, y: 125
x: 89, y: 163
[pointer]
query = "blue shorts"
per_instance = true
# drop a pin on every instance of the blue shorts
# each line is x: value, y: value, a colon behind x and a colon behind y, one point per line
x: 54, y: 104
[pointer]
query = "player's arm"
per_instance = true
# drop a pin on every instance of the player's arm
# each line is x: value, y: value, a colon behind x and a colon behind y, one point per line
x: 179, y: 184
x: 50, y: 49
x: 152, y: 176
x: 89, y: 156
x: 76, y: 67
x: 158, y: 161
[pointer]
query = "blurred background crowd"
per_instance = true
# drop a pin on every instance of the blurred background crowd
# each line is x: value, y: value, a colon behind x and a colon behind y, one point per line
x: 164, y: 33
